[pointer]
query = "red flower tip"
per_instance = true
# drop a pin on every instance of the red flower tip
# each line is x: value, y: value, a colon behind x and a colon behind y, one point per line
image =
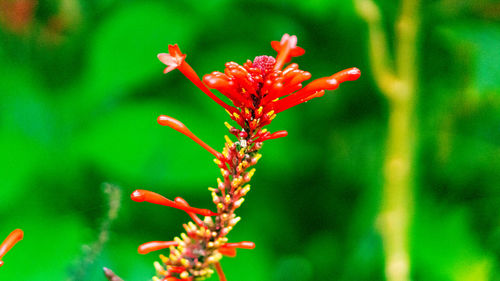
x: 173, y: 123
x: 176, y: 60
x: 286, y: 48
x: 140, y: 195
x: 9, y: 242
x: 242, y: 245
x: 350, y: 74
x: 180, y: 200
x: 278, y: 134
x: 173, y: 59
x: 229, y: 249
x: 316, y: 88
x: 155, y: 246
x: 177, y: 125
x: 268, y: 136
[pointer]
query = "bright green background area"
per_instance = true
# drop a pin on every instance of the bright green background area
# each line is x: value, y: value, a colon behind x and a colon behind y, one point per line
x: 78, y: 107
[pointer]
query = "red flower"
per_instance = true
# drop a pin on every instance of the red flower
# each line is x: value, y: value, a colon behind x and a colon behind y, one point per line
x: 260, y: 88
x: 286, y: 48
x: 148, y: 196
x: 173, y: 59
x: 9, y: 242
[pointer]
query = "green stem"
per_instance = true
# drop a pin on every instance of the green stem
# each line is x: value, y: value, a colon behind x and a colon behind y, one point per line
x: 400, y: 87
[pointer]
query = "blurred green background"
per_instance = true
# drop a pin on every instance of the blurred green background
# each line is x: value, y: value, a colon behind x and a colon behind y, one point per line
x: 80, y: 90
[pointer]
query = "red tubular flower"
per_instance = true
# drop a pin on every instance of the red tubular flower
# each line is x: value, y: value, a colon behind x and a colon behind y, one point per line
x: 286, y: 48
x: 143, y: 195
x: 316, y: 88
x: 242, y: 245
x: 229, y: 249
x: 9, y: 242
x: 175, y: 59
x: 155, y: 246
x: 177, y: 125
x: 269, y: 136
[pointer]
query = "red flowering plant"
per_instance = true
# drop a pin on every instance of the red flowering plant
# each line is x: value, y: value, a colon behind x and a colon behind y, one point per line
x: 257, y: 90
x: 9, y: 242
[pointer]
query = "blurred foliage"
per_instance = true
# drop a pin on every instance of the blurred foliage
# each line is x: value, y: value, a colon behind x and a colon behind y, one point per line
x: 80, y: 89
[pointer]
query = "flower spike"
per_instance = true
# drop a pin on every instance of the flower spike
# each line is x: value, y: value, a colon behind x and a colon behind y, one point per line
x: 144, y: 195
x: 155, y: 246
x: 257, y: 91
x: 9, y: 242
x: 177, y: 125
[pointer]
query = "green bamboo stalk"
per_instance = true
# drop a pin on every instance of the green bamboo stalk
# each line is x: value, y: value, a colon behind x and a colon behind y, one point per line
x: 399, y: 86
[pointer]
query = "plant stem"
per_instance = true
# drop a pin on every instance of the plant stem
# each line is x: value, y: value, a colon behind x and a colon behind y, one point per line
x: 397, y: 195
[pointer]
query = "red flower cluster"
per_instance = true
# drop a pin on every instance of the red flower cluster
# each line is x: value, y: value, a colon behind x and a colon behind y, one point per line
x: 258, y: 90
x: 9, y: 242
